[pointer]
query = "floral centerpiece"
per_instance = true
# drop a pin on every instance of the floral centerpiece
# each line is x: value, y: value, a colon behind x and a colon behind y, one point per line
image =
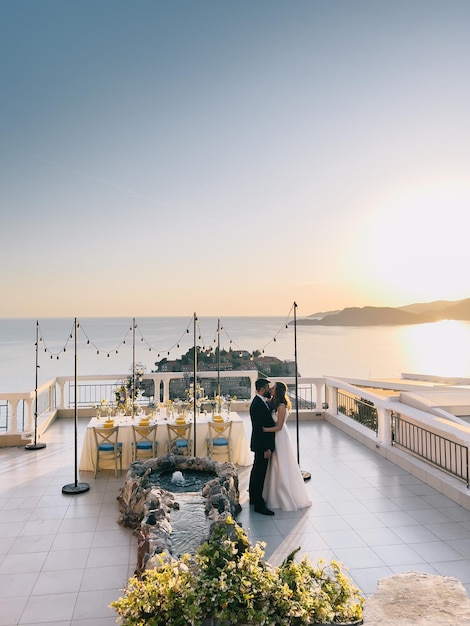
x: 102, y: 407
x: 191, y: 400
x: 221, y: 403
x: 129, y: 390
x: 154, y: 406
x: 199, y: 396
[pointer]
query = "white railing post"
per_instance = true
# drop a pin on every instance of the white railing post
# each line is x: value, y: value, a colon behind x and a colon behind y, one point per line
x: 253, y: 378
x: 166, y: 389
x: 332, y: 399
x: 29, y: 414
x: 384, y: 425
x: 157, y: 379
x: 14, y: 415
x: 319, y: 387
x: 61, y: 402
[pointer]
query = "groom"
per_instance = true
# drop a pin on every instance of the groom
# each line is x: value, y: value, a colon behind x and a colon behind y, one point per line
x: 262, y: 444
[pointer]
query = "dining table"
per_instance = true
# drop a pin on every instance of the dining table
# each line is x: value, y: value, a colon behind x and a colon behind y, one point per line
x: 241, y: 454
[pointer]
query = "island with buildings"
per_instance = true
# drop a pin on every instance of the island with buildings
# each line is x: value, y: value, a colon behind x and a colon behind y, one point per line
x: 222, y: 361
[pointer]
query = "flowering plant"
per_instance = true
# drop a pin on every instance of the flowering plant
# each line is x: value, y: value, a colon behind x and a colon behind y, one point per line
x: 199, y: 395
x: 130, y: 390
x: 227, y: 580
x: 219, y: 403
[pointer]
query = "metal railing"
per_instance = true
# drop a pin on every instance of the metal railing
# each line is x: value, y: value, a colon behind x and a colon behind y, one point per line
x: 89, y: 394
x: 5, y: 416
x: 358, y: 409
x: 305, y: 397
x: 92, y: 393
x: 445, y: 454
x: 44, y: 403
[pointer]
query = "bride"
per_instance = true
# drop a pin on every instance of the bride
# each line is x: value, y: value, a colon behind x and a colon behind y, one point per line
x: 284, y: 487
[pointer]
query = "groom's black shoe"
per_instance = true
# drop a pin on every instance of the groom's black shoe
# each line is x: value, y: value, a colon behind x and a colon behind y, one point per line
x: 263, y: 509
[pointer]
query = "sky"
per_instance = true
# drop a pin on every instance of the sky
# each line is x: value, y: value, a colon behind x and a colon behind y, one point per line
x: 231, y: 158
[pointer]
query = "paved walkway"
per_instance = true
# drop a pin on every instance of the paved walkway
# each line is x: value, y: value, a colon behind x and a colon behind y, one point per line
x: 64, y: 558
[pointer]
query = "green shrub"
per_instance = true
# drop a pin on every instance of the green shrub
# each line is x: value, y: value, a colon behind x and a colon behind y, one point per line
x: 228, y: 581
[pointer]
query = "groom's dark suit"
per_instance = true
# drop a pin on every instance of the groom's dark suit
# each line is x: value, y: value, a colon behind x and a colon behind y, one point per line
x: 260, y: 415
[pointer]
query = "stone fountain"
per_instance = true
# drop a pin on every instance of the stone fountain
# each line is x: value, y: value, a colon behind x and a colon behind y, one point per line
x: 158, y: 515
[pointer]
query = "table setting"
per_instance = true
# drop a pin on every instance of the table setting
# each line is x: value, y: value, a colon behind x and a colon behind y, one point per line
x: 161, y: 417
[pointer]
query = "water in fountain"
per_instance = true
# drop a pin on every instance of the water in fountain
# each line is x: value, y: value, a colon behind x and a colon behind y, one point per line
x: 177, y: 478
x: 189, y: 523
x: 181, y: 482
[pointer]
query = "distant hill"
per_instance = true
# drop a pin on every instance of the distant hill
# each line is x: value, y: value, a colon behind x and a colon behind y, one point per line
x: 420, y: 313
x: 438, y: 305
x: 321, y: 314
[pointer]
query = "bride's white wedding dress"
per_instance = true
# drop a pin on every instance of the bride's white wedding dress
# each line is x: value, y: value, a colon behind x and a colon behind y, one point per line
x: 284, y: 487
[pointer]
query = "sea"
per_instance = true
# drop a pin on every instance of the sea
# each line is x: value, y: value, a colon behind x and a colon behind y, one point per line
x: 110, y: 345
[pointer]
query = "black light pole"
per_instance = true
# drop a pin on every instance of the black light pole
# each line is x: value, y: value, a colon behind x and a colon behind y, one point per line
x: 305, y: 475
x: 133, y: 365
x: 296, y: 383
x: 36, y: 445
x: 194, y: 385
x: 218, y: 366
x: 76, y: 487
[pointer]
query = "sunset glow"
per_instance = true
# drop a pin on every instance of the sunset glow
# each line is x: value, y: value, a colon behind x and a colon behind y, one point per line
x: 158, y: 169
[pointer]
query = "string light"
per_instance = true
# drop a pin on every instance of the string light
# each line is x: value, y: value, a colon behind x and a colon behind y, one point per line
x: 206, y: 348
x: 46, y: 349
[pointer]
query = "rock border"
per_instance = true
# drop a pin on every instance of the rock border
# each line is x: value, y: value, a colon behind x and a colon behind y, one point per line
x: 146, y: 508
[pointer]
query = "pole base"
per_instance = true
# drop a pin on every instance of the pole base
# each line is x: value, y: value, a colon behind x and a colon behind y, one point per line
x: 75, y: 488
x: 305, y: 475
x: 35, y: 446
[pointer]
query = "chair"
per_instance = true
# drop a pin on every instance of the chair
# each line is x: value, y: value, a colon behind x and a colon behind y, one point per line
x: 219, y: 441
x: 108, y: 447
x: 179, y: 438
x: 145, y: 443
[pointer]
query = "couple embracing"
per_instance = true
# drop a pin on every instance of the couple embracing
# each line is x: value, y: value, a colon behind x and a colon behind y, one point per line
x: 275, y: 479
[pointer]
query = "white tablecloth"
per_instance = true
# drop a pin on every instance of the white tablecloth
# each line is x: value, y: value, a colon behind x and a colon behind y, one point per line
x: 240, y: 449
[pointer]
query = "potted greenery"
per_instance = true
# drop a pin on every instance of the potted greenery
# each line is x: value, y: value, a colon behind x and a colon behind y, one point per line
x: 227, y: 582
x: 321, y: 594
